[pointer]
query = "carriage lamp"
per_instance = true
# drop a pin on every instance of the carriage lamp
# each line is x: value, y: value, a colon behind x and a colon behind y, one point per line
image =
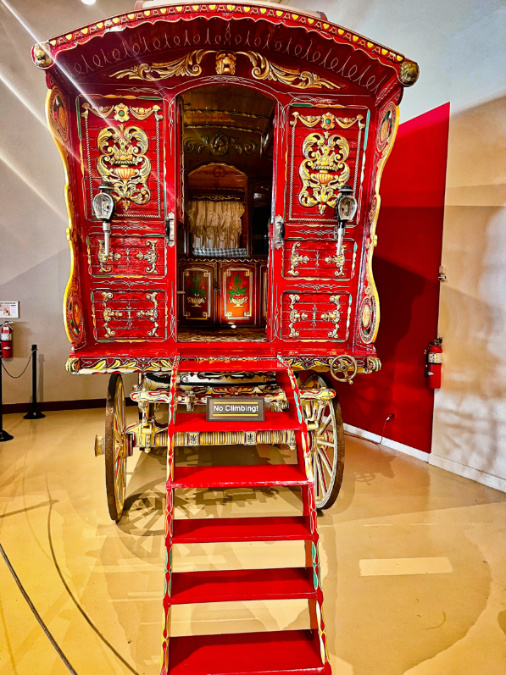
x: 346, y: 207
x: 103, y: 206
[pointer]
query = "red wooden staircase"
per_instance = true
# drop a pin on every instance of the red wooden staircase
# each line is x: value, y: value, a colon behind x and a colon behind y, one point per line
x: 287, y: 651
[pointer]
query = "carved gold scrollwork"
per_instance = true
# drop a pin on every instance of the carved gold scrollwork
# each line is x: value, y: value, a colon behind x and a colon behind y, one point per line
x: 296, y: 259
x: 324, y: 170
x: 151, y: 314
x: 295, y: 315
x: 123, y: 162
x: 151, y: 256
x: 334, y: 316
x: 104, y: 259
x: 263, y: 69
x: 339, y: 261
x: 188, y: 65
x: 328, y: 121
x: 109, y: 314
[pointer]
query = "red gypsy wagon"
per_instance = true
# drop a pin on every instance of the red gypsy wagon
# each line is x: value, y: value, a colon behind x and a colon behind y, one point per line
x: 224, y: 164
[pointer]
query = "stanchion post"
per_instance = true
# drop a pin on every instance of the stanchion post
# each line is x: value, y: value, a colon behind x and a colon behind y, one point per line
x: 4, y: 436
x: 35, y: 413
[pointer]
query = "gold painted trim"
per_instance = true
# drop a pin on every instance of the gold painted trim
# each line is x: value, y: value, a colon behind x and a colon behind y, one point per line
x: 70, y: 209
x: 373, y: 239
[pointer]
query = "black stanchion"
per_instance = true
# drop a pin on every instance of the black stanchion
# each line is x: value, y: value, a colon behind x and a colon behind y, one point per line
x: 4, y: 436
x: 35, y: 413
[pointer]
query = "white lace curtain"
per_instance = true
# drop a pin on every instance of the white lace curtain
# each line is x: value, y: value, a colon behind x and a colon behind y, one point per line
x: 215, y: 225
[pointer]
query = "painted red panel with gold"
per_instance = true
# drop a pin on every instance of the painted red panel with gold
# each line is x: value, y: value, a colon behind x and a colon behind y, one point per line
x: 315, y: 316
x: 123, y: 142
x: 326, y: 151
x: 129, y: 315
x: 238, y: 301
x: 197, y: 301
x: 129, y: 257
x: 315, y: 259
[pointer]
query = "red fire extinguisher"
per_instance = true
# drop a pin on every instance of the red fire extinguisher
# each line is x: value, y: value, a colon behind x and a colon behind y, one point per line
x: 6, y: 340
x: 434, y: 363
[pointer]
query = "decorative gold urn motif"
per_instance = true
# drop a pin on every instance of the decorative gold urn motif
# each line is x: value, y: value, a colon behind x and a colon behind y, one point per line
x: 324, y: 170
x: 123, y: 162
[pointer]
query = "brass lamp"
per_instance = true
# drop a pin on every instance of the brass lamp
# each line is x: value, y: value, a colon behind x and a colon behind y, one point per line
x: 103, y: 206
x: 346, y: 208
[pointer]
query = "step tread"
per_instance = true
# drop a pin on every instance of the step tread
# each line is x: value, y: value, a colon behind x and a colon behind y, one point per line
x: 258, y: 475
x: 288, y: 652
x: 274, y: 421
x: 277, y: 528
x: 237, y: 585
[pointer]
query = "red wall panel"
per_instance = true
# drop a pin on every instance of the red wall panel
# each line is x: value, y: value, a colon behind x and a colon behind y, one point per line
x: 406, y: 264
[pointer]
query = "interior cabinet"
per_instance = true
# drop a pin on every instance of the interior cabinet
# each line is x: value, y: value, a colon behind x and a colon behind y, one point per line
x: 222, y: 293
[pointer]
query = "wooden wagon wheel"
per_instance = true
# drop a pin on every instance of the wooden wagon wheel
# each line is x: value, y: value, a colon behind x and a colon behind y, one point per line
x: 327, y: 444
x: 115, y: 446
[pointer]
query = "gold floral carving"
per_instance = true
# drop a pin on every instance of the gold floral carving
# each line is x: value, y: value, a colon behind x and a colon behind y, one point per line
x: 121, y: 111
x: 338, y: 260
x: 328, y: 121
x: 263, y: 69
x: 151, y: 314
x: 185, y: 66
x: 151, y: 256
x: 334, y: 316
x: 296, y: 259
x: 324, y: 170
x: 105, y: 259
x: 109, y: 314
x: 123, y: 162
x: 295, y: 316
x: 190, y: 66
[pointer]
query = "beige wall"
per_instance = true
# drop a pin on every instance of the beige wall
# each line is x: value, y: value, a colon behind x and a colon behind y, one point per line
x: 34, y: 257
x: 457, y: 43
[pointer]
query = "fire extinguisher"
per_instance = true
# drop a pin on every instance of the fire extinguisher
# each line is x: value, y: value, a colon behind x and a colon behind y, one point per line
x: 434, y: 363
x: 6, y: 339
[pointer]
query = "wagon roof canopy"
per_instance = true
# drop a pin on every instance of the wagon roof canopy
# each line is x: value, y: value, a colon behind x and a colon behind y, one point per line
x: 153, y: 35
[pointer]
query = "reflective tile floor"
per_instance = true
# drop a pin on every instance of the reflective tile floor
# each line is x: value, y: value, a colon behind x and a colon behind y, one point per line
x: 414, y: 570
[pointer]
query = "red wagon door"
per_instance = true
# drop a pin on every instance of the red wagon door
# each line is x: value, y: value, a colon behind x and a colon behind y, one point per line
x: 124, y: 142
x: 316, y: 288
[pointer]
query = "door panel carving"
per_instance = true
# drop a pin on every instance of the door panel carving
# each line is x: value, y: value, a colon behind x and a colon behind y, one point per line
x: 315, y: 259
x: 310, y: 316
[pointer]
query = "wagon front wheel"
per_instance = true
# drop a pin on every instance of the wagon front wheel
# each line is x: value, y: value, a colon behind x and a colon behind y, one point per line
x: 115, y: 446
x: 327, y: 444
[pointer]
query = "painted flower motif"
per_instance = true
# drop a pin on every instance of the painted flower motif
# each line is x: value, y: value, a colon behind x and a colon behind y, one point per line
x: 328, y: 120
x: 121, y: 113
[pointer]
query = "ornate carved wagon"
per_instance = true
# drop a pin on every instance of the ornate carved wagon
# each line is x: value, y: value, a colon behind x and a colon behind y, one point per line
x: 223, y: 167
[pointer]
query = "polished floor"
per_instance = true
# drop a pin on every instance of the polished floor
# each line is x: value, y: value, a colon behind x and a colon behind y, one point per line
x: 414, y: 570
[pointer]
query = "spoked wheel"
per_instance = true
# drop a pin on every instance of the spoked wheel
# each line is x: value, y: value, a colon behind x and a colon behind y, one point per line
x: 115, y: 446
x: 327, y: 444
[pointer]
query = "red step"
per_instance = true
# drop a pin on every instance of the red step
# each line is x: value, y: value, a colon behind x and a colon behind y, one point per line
x: 292, y: 652
x: 241, y: 585
x: 278, y: 528
x: 274, y: 421
x: 255, y: 475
